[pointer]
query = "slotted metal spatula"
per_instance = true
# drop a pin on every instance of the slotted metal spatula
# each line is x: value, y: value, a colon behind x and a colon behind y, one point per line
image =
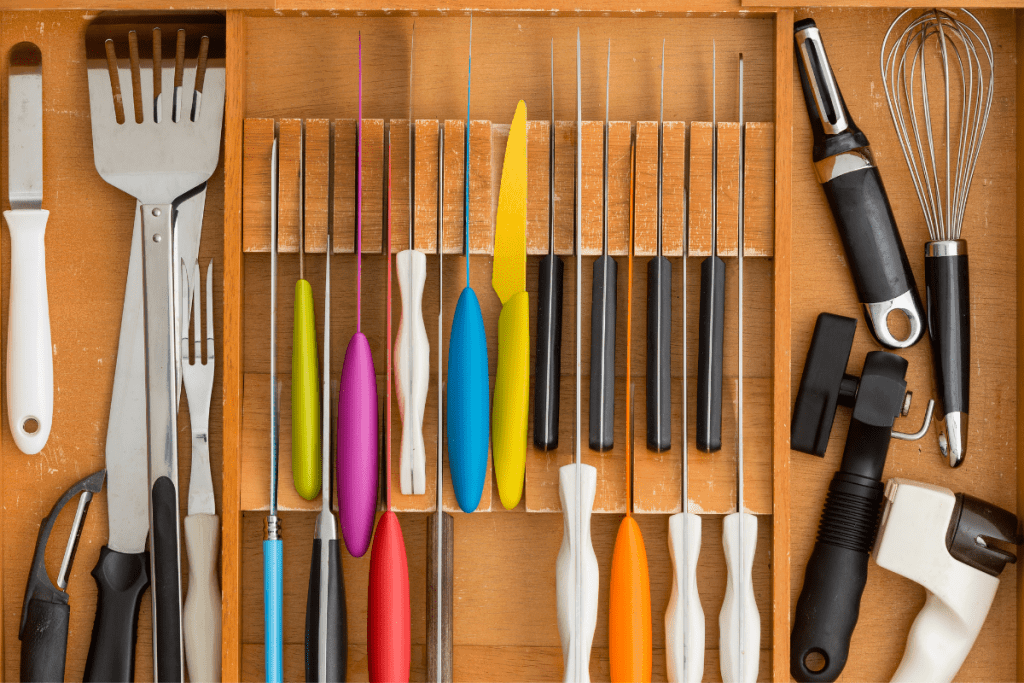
x: 161, y: 152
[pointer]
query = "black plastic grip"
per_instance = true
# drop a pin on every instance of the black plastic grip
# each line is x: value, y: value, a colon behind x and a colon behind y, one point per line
x: 878, y: 262
x: 121, y: 581
x: 949, y: 326
x: 709, y: 354
x: 337, y: 619
x: 829, y: 602
x: 659, y: 354
x: 602, y: 355
x: 166, y: 577
x: 44, y: 641
x: 548, y: 364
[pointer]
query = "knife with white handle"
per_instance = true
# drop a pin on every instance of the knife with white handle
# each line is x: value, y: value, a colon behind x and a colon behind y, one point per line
x: 29, y: 353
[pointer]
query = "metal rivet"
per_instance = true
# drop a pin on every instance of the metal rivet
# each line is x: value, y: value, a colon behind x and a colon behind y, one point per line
x: 156, y: 212
x: 157, y: 238
x: 906, y: 403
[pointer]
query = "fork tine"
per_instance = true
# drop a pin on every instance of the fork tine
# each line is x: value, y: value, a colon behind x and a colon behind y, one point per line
x: 197, y: 334
x: 209, y: 313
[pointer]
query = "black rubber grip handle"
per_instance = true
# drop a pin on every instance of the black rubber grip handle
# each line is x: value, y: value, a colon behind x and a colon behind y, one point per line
x: 44, y: 641
x: 602, y: 355
x: 337, y: 619
x: 166, y: 578
x: 439, y: 645
x: 829, y: 602
x: 659, y: 354
x: 121, y: 581
x: 548, y: 363
x: 710, y: 337
x: 949, y: 326
x: 878, y: 262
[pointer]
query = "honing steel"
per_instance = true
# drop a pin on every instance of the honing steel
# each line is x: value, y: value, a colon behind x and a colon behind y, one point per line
x: 326, y: 617
x: 512, y: 377
x: 305, y: 373
x: 412, y: 348
x: 962, y: 53
x: 387, y: 611
x: 576, y: 572
x: 548, y: 368
x: 440, y: 524
x: 202, y: 525
x: 45, y: 613
x: 29, y: 352
x: 468, y: 391
x: 630, y: 641
x: 358, y: 419
x: 739, y: 622
x: 712, y: 309
x: 853, y: 186
x: 144, y: 158
x: 659, y: 315
x: 602, y: 313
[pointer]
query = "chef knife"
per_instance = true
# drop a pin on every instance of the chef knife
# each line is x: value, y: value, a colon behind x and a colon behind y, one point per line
x: 122, y: 573
x: 512, y: 377
x: 29, y: 355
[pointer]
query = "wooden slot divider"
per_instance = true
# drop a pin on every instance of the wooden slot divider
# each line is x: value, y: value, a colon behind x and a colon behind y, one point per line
x: 289, y: 185
x: 425, y: 231
x: 318, y: 161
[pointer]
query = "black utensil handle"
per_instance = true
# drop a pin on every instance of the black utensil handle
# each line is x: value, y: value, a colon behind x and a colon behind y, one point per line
x: 829, y: 602
x: 949, y: 326
x: 121, y: 581
x: 439, y: 645
x: 337, y: 619
x: 659, y: 356
x: 710, y: 337
x: 44, y: 641
x: 602, y: 354
x: 548, y: 364
x: 166, y: 581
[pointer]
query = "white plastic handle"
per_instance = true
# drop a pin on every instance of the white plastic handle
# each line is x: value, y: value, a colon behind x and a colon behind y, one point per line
x: 739, y: 648
x: 202, y: 606
x: 412, y: 370
x: 576, y: 643
x: 684, y: 618
x: 29, y: 352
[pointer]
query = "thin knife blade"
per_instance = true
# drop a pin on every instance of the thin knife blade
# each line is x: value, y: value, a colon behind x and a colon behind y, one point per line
x: 25, y: 127
x: 126, y: 453
x: 509, y: 274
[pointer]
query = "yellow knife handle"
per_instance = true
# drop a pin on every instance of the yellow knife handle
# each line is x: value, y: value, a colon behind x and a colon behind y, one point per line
x: 511, y: 398
x: 305, y: 396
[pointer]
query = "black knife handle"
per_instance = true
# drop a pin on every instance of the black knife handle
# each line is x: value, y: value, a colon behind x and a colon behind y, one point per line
x: 121, y: 581
x: 710, y: 339
x: 659, y: 356
x: 337, y: 619
x: 439, y: 607
x: 44, y: 641
x: 949, y: 324
x: 166, y: 581
x: 548, y: 364
x: 602, y: 354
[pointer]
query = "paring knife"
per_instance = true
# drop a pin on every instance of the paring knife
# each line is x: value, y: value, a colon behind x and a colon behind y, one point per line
x: 29, y: 354
x: 122, y: 573
x: 512, y: 377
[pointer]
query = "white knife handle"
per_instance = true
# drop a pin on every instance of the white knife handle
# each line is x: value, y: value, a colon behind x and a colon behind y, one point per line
x: 412, y: 370
x: 29, y: 352
x: 202, y: 606
x: 576, y: 642
x: 684, y: 619
x: 739, y: 648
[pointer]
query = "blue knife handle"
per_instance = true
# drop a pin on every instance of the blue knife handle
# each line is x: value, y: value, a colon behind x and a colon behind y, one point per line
x: 273, y: 596
x: 468, y: 402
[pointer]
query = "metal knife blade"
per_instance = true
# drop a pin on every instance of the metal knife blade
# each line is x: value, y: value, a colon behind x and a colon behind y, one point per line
x: 509, y: 274
x: 25, y: 128
x: 126, y: 452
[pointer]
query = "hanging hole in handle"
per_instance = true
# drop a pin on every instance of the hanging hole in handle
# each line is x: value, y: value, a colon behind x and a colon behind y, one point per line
x: 30, y: 426
x: 815, y: 661
x: 898, y: 323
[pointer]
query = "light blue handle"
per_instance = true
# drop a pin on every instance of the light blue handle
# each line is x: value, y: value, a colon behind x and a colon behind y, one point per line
x: 273, y: 596
x: 469, y: 397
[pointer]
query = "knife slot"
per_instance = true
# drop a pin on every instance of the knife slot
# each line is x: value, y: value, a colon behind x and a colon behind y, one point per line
x: 133, y: 61
x: 157, y: 70
x: 115, y: 80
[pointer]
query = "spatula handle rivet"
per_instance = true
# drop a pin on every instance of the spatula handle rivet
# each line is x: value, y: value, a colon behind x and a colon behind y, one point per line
x: 156, y: 212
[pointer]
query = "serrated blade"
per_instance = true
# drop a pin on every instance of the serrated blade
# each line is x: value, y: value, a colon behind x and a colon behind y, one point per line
x: 25, y: 127
x: 509, y: 275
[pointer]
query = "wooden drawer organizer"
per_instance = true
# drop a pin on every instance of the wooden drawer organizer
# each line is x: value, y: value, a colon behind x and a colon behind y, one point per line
x: 287, y: 65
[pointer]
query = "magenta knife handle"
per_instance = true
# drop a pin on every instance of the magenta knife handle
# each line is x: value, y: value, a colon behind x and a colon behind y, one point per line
x: 358, y: 446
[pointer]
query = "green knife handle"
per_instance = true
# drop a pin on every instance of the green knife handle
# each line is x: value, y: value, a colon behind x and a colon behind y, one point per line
x: 305, y: 396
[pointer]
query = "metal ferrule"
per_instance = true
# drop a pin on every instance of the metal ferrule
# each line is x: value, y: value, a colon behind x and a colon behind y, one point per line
x: 953, y: 437
x: 822, y: 80
x: 878, y: 315
x: 273, y: 528
x: 834, y: 166
x: 945, y: 248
